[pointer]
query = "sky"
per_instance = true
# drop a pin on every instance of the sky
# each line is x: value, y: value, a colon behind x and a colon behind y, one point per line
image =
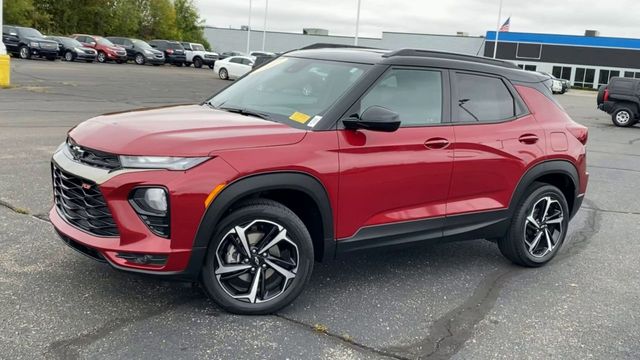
x: 611, y: 18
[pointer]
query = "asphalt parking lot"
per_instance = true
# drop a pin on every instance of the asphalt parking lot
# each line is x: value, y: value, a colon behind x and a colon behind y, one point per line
x: 458, y: 300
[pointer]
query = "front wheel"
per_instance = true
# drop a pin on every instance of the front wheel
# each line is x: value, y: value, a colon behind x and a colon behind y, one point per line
x: 223, y: 74
x: 259, y: 260
x: 102, y: 57
x: 139, y: 59
x: 24, y: 52
x: 68, y: 56
x: 197, y: 63
x: 538, y: 227
x: 623, y: 117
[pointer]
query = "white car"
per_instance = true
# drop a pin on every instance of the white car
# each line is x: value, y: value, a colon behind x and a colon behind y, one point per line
x: 198, y: 56
x: 233, y: 67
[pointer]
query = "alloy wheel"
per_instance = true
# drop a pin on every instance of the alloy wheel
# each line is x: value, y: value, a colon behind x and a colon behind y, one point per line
x: 139, y: 59
x: 101, y: 57
x: 256, y: 262
x: 24, y: 52
x: 68, y: 56
x: 543, y: 228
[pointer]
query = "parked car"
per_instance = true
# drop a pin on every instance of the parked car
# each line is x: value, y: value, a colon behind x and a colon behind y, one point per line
x: 27, y: 42
x: 227, y: 54
x: 233, y: 67
x: 72, y: 50
x: 198, y: 56
x: 558, y: 86
x: 173, y: 51
x: 318, y: 155
x: 139, y: 51
x: 620, y: 98
x: 107, y: 51
x: 262, y: 58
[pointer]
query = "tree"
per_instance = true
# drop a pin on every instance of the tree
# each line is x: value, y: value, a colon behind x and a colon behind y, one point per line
x: 23, y: 13
x: 189, y: 25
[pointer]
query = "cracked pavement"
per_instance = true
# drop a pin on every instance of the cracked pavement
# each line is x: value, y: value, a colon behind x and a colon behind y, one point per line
x: 451, y: 301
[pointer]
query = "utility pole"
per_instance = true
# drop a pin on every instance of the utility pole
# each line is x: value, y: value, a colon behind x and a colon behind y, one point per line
x: 249, y: 30
x: 355, y: 42
x: 264, y: 27
x: 495, y: 44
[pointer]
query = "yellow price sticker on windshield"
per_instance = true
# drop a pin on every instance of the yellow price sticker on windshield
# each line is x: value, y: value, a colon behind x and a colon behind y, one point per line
x: 300, y: 117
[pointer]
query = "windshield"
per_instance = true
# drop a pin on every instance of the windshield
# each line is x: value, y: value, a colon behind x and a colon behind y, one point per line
x: 105, y: 42
x: 141, y: 44
x: 28, y: 32
x: 197, y: 47
x: 70, y: 43
x: 291, y: 89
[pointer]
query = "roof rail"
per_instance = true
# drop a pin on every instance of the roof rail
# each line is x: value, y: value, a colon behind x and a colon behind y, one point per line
x: 334, y: 46
x: 452, y: 56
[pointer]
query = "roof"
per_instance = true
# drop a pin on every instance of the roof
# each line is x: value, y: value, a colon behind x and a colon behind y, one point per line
x: 567, y: 40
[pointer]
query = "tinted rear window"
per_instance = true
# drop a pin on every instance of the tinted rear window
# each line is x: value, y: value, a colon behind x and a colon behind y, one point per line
x: 482, y: 98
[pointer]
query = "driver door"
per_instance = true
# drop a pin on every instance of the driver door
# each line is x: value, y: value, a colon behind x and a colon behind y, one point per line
x: 394, y: 185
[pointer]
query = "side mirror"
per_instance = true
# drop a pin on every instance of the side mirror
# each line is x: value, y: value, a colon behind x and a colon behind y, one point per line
x: 153, y: 45
x: 375, y: 118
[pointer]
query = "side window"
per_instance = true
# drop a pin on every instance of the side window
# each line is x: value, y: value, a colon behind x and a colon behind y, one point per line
x: 416, y: 95
x: 116, y: 41
x: 246, y: 61
x: 482, y: 98
x: 127, y: 42
x: 236, y: 60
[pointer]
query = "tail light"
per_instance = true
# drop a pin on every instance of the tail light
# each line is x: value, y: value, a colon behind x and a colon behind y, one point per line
x: 169, y: 51
x: 606, y: 94
x: 580, y: 132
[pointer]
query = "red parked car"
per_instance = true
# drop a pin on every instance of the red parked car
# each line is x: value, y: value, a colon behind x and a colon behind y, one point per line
x: 320, y: 153
x: 107, y: 51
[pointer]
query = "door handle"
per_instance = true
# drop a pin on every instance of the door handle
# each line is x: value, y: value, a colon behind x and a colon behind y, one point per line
x: 436, y: 143
x: 528, y: 139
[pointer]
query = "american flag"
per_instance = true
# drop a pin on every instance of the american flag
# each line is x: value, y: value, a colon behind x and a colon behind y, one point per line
x: 507, y: 24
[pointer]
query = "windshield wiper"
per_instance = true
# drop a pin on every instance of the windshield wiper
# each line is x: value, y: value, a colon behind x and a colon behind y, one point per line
x: 246, y: 112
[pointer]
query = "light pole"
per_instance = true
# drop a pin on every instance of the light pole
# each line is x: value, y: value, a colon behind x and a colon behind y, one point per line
x: 495, y: 44
x: 249, y: 29
x: 355, y: 42
x: 264, y: 27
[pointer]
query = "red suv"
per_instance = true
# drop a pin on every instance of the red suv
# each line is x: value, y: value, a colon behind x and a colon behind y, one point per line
x: 319, y: 153
x: 107, y: 51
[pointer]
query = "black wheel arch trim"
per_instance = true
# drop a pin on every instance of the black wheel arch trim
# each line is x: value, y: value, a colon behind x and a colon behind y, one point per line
x: 548, y: 167
x: 254, y: 184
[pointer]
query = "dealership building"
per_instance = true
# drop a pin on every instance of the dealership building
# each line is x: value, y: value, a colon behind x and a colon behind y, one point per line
x: 587, y: 61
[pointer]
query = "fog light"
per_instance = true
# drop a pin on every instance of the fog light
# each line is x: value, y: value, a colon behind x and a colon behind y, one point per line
x: 156, y: 199
x: 152, y: 205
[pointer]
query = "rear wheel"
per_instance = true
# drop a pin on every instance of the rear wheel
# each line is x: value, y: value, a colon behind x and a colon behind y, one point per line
x: 224, y: 75
x: 623, y: 116
x: 259, y: 260
x: 538, y: 227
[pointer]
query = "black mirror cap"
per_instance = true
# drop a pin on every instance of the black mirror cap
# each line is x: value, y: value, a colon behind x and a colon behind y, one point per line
x: 374, y: 118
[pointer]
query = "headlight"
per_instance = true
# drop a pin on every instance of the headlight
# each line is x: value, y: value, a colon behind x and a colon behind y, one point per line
x: 161, y: 162
x: 34, y: 44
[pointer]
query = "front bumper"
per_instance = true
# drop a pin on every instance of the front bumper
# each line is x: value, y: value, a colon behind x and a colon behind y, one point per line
x: 84, y: 56
x: 154, y: 60
x: 188, y: 191
x: 116, y: 57
x: 44, y: 53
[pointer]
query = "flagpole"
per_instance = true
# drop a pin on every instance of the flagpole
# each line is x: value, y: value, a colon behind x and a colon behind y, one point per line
x: 264, y: 28
x: 495, y: 45
x: 249, y: 30
x: 355, y: 42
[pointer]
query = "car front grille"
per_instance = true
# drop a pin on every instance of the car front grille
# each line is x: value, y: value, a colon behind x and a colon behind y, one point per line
x: 92, y: 157
x: 121, y: 53
x: 49, y: 46
x: 81, y: 204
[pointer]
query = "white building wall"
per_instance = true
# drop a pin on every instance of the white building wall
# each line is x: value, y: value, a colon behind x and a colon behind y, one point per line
x: 222, y: 39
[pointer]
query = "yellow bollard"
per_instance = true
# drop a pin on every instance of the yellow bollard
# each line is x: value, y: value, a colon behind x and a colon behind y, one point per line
x: 5, y: 73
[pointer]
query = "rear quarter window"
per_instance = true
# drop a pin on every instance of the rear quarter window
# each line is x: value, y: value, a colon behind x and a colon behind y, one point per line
x: 482, y: 98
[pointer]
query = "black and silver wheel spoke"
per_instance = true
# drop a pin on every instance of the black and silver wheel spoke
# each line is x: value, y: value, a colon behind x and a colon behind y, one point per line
x: 543, y: 227
x: 256, y: 262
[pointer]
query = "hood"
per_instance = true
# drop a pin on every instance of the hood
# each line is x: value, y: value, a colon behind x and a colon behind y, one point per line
x: 186, y: 130
x: 40, y: 40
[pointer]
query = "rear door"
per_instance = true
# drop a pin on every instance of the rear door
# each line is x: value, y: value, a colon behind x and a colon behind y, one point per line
x: 496, y: 139
x: 398, y: 179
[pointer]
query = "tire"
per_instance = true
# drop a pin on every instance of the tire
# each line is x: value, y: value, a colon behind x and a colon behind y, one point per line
x: 139, y: 59
x: 261, y: 221
x: 600, y: 97
x: 68, y: 56
x: 197, y: 63
x: 102, y: 57
x: 527, y: 242
x: 223, y: 74
x: 24, y: 52
x: 187, y: 64
x: 211, y: 66
x: 623, y: 116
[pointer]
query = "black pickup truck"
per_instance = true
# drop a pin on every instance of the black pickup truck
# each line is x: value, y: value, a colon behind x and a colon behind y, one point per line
x: 620, y: 98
